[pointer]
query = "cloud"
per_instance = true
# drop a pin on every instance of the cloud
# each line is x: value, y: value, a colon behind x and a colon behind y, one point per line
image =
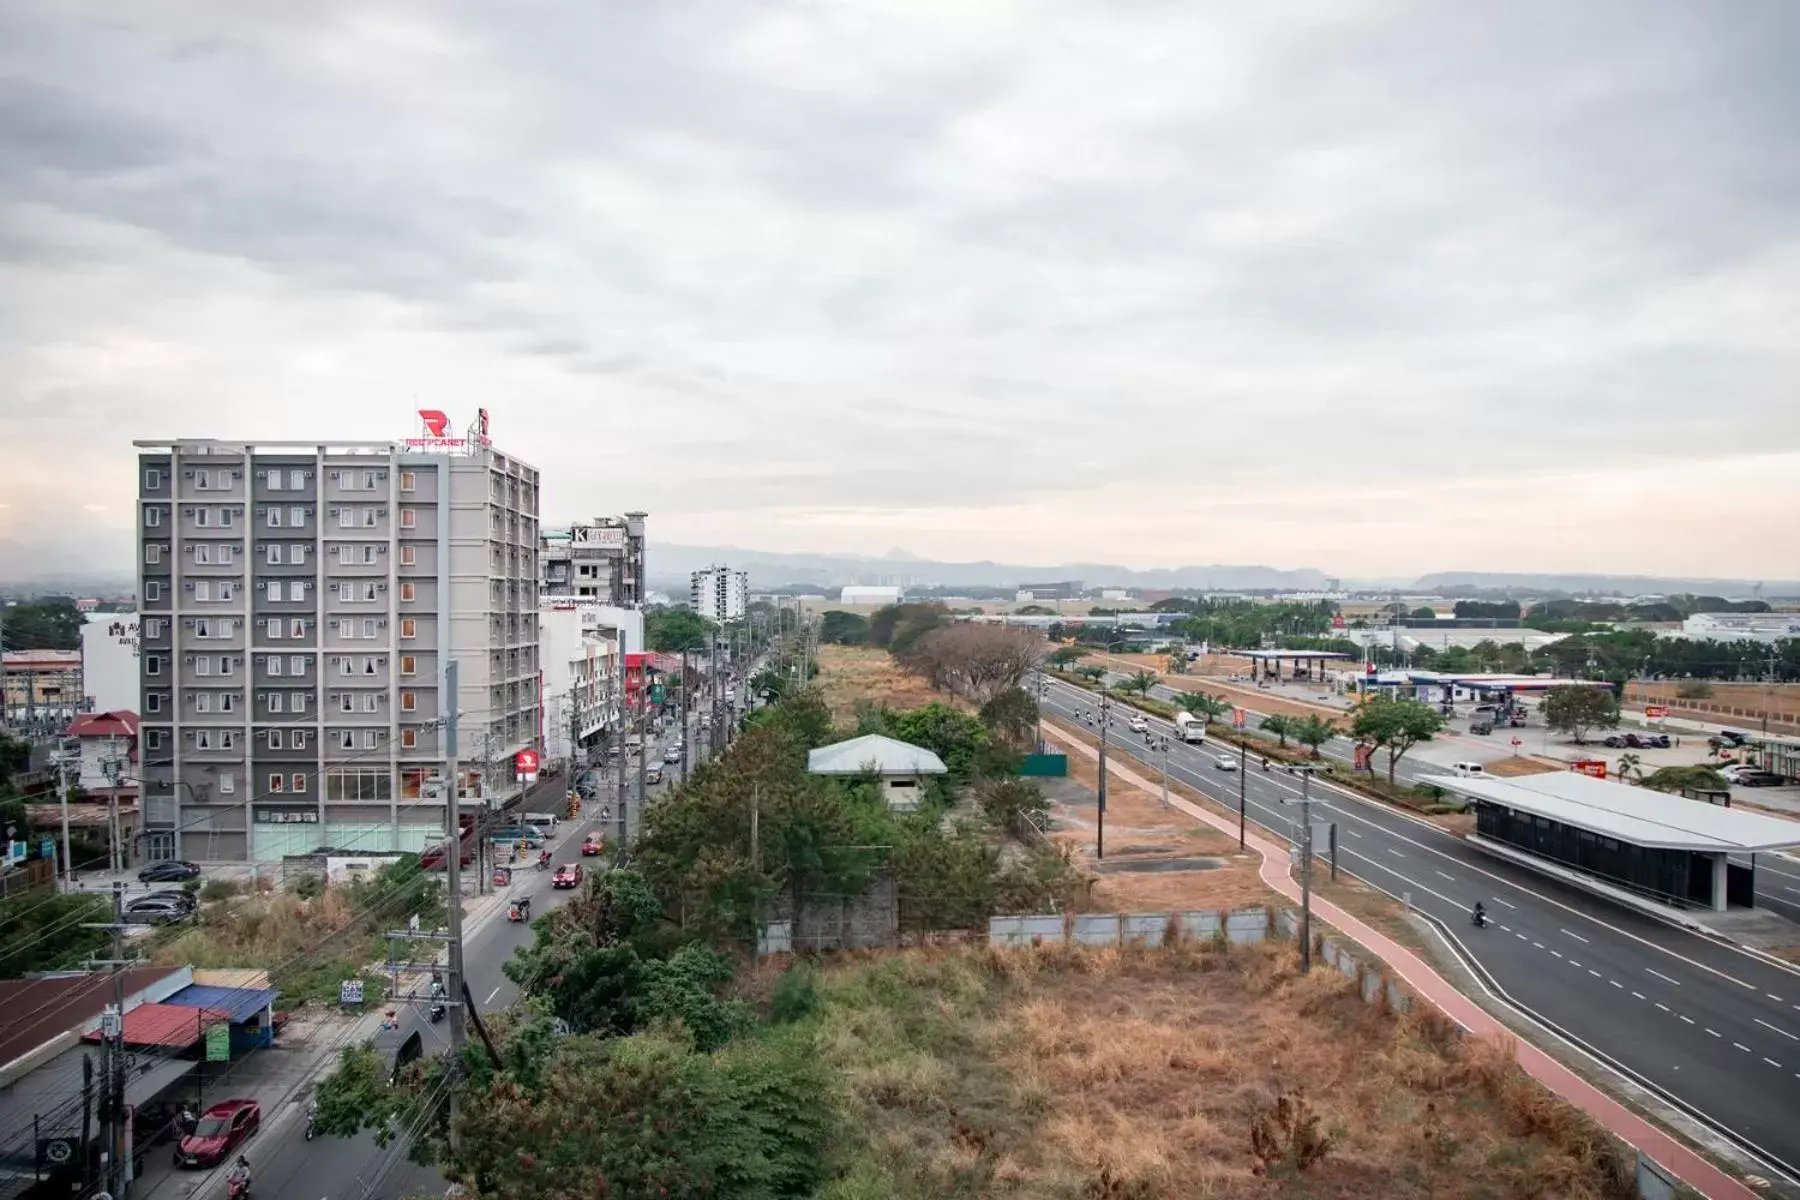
x: 974, y: 278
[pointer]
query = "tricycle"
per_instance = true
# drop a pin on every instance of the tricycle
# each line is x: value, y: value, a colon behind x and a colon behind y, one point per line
x: 519, y: 909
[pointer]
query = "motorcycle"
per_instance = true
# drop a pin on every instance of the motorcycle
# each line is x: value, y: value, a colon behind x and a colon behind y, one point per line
x: 1479, y: 919
x: 436, y: 1013
x: 237, y: 1187
x: 312, y: 1120
x: 543, y: 862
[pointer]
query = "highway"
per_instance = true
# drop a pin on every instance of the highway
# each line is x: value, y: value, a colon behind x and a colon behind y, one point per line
x: 1713, y: 1030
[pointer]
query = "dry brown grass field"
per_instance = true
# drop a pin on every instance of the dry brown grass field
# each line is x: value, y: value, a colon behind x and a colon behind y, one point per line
x: 849, y: 675
x: 1136, y: 1074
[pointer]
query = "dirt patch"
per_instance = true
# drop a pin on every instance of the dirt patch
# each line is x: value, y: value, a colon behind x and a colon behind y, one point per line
x: 849, y: 675
x: 1116, y: 1074
x: 1517, y: 765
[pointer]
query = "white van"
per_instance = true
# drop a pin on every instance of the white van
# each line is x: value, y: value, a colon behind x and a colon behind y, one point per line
x: 1470, y: 770
x: 546, y: 822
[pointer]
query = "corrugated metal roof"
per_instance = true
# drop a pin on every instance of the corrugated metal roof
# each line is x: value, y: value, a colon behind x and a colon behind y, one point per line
x: 240, y: 1003
x: 43, y: 1009
x: 231, y: 977
x: 168, y: 1025
x: 1637, y: 815
x: 873, y: 752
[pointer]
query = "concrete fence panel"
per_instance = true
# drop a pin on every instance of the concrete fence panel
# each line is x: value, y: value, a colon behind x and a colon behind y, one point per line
x: 777, y: 937
x: 1654, y: 1183
x: 1144, y: 928
x: 1097, y: 929
x: 1200, y: 926
x: 1248, y: 926
x: 1371, y: 987
x: 1027, y: 931
x: 1397, y: 1000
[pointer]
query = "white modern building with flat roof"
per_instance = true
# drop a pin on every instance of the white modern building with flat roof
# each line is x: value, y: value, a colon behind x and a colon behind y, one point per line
x: 109, y: 662
x: 871, y: 596
x: 1738, y: 627
x: 720, y: 594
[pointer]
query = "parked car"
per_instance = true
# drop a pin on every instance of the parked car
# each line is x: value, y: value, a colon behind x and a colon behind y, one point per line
x: 158, y: 911
x: 594, y: 843
x: 1755, y: 778
x: 1225, y: 763
x: 225, y: 1127
x: 567, y: 876
x: 171, y: 895
x: 172, y: 871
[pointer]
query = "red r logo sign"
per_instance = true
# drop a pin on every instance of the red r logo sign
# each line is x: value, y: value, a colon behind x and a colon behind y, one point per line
x: 436, y: 424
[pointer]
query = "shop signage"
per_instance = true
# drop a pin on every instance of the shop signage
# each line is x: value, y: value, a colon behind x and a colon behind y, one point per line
x: 436, y: 433
x: 1595, y: 767
x: 218, y: 1042
x: 525, y: 765
x: 1656, y: 712
x: 266, y: 816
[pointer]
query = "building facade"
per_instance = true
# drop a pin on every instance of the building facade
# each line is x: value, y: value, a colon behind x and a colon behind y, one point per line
x: 109, y: 662
x: 871, y: 595
x: 720, y: 594
x: 600, y: 560
x: 1732, y: 627
x: 43, y: 688
x: 300, y: 603
x: 582, y: 652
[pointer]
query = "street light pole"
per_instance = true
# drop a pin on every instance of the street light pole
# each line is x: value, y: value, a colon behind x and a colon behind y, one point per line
x: 1306, y: 856
x: 1163, y: 745
x: 1100, y: 828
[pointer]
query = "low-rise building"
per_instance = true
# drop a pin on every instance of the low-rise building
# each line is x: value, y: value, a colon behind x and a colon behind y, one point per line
x: 582, y: 656
x: 42, y: 686
x: 1736, y: 627
x: 901, y: 767
x: 871, y: 596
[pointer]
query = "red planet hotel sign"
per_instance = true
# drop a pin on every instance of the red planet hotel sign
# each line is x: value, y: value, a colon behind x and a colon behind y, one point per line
x: 525, y: 765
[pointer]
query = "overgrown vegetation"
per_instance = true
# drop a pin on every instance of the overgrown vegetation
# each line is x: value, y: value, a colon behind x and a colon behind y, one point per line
x: 1578, y: 710
x: 42, y: 931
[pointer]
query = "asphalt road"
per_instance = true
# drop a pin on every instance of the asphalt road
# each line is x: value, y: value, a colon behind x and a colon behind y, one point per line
x: 288, y: 1167
x: 1714, y: 1030
x: 1777, y: 880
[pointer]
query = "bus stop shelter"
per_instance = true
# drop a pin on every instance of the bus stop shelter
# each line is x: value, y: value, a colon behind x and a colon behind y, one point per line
x: 1663, y: 848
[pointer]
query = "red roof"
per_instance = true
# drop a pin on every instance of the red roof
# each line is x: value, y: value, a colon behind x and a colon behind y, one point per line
x: 54, y: 1006
x: 171, y: 1025
x: 122, y: 723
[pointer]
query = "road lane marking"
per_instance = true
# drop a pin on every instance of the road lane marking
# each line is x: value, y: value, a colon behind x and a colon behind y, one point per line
x: 1663, y: 977
x: 1772, y: 1062
x: 1573, y: 963
x: 1451, y: 878
x: 1714, y: 1032
x: 1639, y: 995
x: 1506, y: 928
x: 1576, y: 936
x: 1508, y: 903
x: 1353, y: 833
x: 1395, y: 853
x: 1742, y: 1047
x: 1686, y: 1018
x: 1778, y: 1029
x: 1616, y: 984
x: 1593, y: 972
x: 1558, y: 953
x: 492, y: 994
x: 1539, y: 945
x: 1774, y: 997
x: 1662, y: 1006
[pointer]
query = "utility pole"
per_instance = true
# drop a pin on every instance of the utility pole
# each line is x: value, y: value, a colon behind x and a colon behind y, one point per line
x: 713, y: 740
x: 623, y: 730
x: 1162, y: 744
x: 1100, y: 828
x: 112, y: 1063
x: 1306, y: 856
x: 1243, y: 766
x: 5, y: 693
x: 453, y: 951
x: 682, y: 736
x: 63, y: 785
x: 643, y: 754
x: 113, y: 765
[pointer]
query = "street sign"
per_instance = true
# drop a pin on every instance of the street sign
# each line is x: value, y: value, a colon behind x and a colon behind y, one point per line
x: 350, y: 991
x: 218, y: 1042
x: 1517, y: 742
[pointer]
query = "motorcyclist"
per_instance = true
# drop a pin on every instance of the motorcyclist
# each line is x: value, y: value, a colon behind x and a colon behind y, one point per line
x: 1265, y: 764
x: 240, y: 1172
x: 1480, y: 914
x: 544, y: 857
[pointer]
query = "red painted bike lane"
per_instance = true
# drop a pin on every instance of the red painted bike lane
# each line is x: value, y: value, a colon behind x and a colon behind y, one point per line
x: 1670, y: 1154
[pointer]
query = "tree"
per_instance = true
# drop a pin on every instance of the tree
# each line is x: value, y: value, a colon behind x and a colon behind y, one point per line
x: 843, y: 628
x: 50, y: 933
x: 1577, y: 710
x: 49, y: 624
x: 1204, y: 705
x: 1091, y: 672
x: 1281, y: 726
x: 1396, y: 724
x: 1140, y: 682
x: 673, y: 630
x: 898, y: 626
x: 1006, y: 800
x: 977, y: 662
x: 1630, y: 764
x: 1699, y: 778
x: 1313, y: 731
x: 1011, y: 716
x: 1064, y: 657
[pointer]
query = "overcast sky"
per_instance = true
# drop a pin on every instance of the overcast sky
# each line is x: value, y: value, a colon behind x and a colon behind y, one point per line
x: 1377, y: 288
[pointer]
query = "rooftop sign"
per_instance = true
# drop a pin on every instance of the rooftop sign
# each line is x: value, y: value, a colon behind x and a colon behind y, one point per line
x: 436, y: 434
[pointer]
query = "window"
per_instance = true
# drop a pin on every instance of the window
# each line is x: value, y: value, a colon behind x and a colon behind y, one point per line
x: 365, y: 592
x: 224, y: 664
x: 346, y: 702
x: 274, y: 664
x: 276, y: 779
x: 296, y: 481
x: 275, y: 480
x: 408, y: 701
x: 296, y: 589
x: 346, y: 554
x: 152, y: 627
x: 274, y: 554
x: 297, y: 702
x: 153, y: 664
x: 227, y: 702
x: 224, y: 518
x: 296, y: 516
x: 369, y: 702
x: 408, y: 627
x: 409, y: 518
x: 409, y: 556
x: 408, y: 481
x: 408, y: 591
x: 358, y: 783
x: 297, y: 554
x: 409, y: 738
x: 226, y: 588
x: 344, y: 666
x: 368, y: 627
x: 203, y: 589
x: 153, y: 701
x: 368, y: 518
x: 273, y: 587
x: 275, y: 627
x: 228, y: 739
x: 202, y: 627
x: 274, y: 739
x: 274, y: 517
x: 298, y: 739
x: 346, y: 517
x: 152, y: 590
x: 297, y: 664
x: 201, y: 518
x: 369, y: 666
x: 371, y: 740
x: 152, y: 516
x: 409, y: 665
x: 202, y: 481
x: 297, y: 628
x: 203, y: 555
x: 152, y: 553
x: 226, y: 554
x: 273, y: 700
x: 203, y: 701
x: 203, y: 665
x: 299, y: 782
x: 346, y: 740
x: 153, y: 480
x: 203, y: 739
x: 368, y: 481
x: 368, y: 554
x: 346, y: 627
x: 226, y: 627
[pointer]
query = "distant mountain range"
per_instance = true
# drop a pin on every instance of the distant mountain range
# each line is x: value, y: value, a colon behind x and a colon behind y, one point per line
x: 1629, y: 585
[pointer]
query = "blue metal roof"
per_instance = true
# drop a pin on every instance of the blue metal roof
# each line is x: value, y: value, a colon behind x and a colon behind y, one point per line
x: 241, y: 1003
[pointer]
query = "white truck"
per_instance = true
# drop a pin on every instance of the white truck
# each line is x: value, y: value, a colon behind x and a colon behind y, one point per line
x: 1189, y: 728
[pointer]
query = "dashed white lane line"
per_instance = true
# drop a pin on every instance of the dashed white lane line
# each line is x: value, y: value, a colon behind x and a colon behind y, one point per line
x: 1663, y: 977
x: 1576, y: 936
x: 1508, y: 903
x: 1778, y: 1029
x: 1573, y: 963
x: 1616, y: 984
x: 1352, y: 833
x: 1520, y: 936
x: 1714, y: 1032
x: 1742, y: 1047
x: 1539, y: 945
x: 492, y: 994
x: 1662, y: 1006
x: 1506, y: 928
x: 1395, y: 852
x: 1558, y: 953
x: 1639, y: 995
x: 1441, y: 875
x: 1593, y: 972
x: 1686, y: 1018
x: 1772, y: 1062
x: 1774, y: 997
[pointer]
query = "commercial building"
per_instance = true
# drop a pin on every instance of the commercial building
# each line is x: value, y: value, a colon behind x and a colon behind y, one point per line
x: 1737, y: 627
x: 109, y: 662
x: 582, y: 652
x: 1067, y: 589
x: 871, y: 596
x: 600, y: 560
x: 301, y: 603
x: 43, y: 687
x: 720, y: 594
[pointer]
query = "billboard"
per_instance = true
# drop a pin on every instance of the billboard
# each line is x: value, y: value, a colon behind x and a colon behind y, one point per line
x: 525, y: 765
x: 1595, y: 767
x: 597, y: 537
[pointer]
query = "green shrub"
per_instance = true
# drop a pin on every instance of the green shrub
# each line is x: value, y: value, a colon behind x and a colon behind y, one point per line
x: 217, y: 889
x: 796, y: 995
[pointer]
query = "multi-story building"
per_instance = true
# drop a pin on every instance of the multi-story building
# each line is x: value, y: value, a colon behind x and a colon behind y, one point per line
x: 300, y: 603
x: 720, y: 594
x: 600, y: 560
x: 582, y: 647
x: 109, y: 662
x: 43, y: 688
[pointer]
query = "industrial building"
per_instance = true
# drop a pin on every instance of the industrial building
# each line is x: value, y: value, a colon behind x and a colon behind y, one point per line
x: 600, y: 560
x: 300, y: 605
x: 871, y: 596
x: 1735, y: 627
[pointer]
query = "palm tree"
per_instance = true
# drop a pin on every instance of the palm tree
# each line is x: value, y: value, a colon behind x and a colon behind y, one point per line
x: 1141, y: 682
x: 1630, y: 765
x: 1204, y: 705
x: 1094, y: 673
x: 1312, y: 731
x: 1063, y: 656
x: 1280, y: 726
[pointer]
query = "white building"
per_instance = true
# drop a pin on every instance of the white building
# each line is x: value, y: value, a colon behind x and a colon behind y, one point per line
x: 901, y: 767
x: 1737, y: 627
x: 581, y: 650
x: 872, y: 596
x: 720, y: 594
x: 109, y: 662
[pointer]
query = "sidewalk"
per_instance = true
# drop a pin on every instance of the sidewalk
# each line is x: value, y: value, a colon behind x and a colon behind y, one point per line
x: 1630, y: 1128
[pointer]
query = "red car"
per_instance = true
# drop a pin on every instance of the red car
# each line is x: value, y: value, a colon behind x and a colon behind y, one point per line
x: 594, y: 843
x: 567, y: 876
x: 222, y: 1130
